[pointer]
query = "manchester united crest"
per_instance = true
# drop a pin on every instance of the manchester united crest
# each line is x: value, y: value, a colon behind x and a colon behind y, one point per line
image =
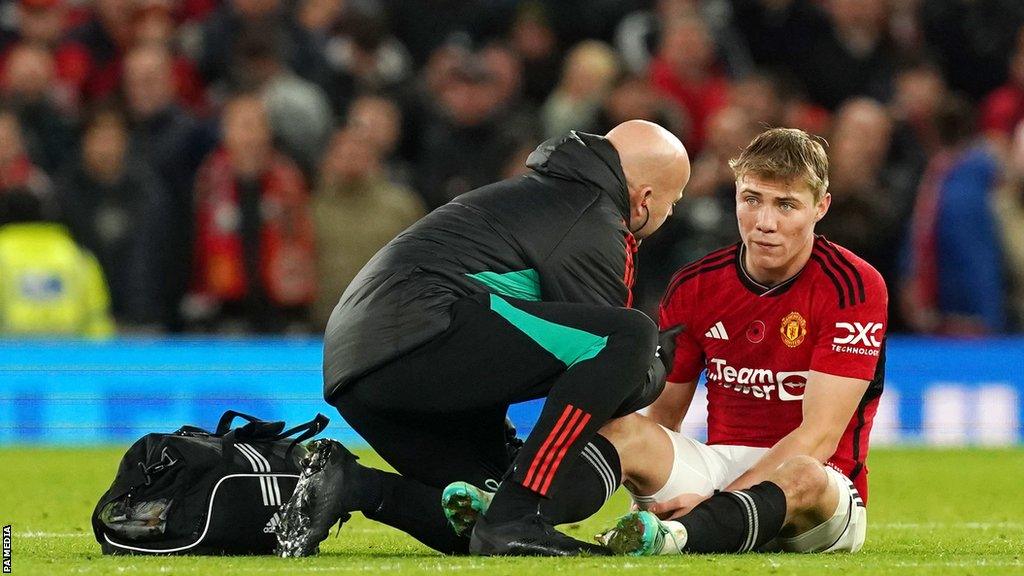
x: 794, y: 328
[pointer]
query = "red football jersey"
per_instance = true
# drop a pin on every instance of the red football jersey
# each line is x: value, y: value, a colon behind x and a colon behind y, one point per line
x: 758, y: 344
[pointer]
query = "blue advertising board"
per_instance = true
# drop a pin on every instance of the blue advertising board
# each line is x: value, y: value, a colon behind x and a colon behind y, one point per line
x: 938, y: 392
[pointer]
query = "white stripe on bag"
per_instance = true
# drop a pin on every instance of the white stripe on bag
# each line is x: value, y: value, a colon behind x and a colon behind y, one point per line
x: 273, y: 488
x: 260, y: 457
x: 274, y: 499
x: 260, y: 461
x: 257, y: 466
x: 248, y: 457
x: 263, y: 488
x: 274, y: 491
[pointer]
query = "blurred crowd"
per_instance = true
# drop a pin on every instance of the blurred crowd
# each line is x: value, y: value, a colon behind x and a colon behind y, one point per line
x: 229, y: 165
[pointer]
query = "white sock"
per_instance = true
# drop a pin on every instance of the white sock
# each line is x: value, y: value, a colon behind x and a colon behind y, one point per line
x: 675, y: 539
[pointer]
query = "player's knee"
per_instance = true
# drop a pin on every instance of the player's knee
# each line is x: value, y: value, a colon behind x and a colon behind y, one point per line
x: 803, y: 480
x: 637, y: 439
x: 622, y: 432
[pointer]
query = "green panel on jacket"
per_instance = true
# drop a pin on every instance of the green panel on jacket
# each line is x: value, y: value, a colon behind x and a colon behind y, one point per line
x: 570, y: 345
x: 522, y: 284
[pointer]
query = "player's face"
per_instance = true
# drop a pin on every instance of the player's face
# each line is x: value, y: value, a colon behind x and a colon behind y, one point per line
x: 776, y: 221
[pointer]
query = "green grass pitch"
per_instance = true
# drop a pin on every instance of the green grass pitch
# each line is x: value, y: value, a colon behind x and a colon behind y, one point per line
x: 932, y: 512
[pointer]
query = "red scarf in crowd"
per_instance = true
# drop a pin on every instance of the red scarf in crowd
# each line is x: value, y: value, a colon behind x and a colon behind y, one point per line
x: 287, y: 259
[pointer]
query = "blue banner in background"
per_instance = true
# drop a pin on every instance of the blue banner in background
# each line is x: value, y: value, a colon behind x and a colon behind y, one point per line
x: 938, y: 392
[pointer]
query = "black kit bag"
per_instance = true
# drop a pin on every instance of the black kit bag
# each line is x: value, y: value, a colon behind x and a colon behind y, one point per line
x: 197, y: 492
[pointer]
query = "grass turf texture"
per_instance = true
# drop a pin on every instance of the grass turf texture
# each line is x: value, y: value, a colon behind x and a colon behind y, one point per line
x: 932, y: 512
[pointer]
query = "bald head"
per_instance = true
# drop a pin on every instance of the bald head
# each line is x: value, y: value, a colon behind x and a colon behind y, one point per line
x: 657, y: 169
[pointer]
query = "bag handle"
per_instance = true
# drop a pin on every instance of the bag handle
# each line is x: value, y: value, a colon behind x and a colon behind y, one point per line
x: 271, y: 431
x: 308, y: 429
x: 226, y: 419
x: 253, y: 429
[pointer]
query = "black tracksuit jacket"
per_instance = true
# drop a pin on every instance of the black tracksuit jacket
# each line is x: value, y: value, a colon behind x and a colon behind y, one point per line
x: 565, y: 222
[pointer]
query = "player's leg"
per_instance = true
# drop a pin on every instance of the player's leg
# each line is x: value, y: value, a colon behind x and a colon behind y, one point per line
x: 823, y: 513
x: 606, y: 352
x: 834, y: 519
x: 800, y: 507
x: 651, y: 462
x: 659, y: 466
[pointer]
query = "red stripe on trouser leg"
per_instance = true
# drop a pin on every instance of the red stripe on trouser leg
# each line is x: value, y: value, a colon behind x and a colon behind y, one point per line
x: 561, y: 454
x: 547, y: 442
x: 549, y: 456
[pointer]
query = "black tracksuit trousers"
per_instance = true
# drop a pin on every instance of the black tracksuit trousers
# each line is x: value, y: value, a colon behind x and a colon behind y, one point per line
x: 437, y: 414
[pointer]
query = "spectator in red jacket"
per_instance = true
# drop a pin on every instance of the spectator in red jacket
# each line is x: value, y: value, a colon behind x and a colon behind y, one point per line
x: 254, y: 266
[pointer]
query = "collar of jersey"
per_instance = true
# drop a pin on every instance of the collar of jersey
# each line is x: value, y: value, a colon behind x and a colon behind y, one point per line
x: 755, y: 286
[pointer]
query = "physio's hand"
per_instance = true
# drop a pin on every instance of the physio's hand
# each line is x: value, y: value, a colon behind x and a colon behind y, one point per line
x: 667, y: 346
x: 676, y: 507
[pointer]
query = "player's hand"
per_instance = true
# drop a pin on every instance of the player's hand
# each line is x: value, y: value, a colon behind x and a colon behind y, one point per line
x: 676, y: 507
x: 667, y: 346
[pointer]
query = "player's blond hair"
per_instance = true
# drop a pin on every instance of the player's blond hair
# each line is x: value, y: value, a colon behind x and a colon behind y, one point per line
x: 784, y: 154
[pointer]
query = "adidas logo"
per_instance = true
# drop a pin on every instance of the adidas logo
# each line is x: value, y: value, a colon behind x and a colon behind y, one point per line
x: 272, y: 524
x: 717, y: 332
